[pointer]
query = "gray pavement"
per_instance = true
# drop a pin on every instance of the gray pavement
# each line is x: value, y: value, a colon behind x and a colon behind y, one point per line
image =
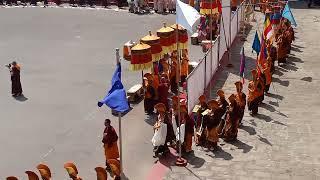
x: 282, y: 141
x: 68, y: 58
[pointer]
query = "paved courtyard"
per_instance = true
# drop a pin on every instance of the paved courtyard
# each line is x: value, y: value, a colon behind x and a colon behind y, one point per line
x: 282, y: 142
x: 68, y: 58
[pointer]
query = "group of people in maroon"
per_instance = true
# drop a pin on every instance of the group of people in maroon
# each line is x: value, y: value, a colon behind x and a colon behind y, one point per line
x: 221, y: 118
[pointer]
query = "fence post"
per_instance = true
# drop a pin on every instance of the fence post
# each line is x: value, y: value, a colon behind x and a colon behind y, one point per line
x: 205, y: 69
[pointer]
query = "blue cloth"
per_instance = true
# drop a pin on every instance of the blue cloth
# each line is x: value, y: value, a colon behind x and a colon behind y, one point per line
x: 286, y: 13
x: 116, y: 98
x: 256, y: 43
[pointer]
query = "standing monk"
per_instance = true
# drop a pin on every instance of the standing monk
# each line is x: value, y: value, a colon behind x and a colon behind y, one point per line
x: 163, y: 92
x: 173, y: 78
x: 281, y: 49
x: 223, y: 104
x: 150, y: 94
x: 253, y: 95
x: 232, y: 123
x: 110, y: 139
x: 16, y: 88
x: 200, y: 124
x: 241, y: 100
x: 267, y: 73
x: 213, y: 121
x: 189, y: 128
x: 184, y: 70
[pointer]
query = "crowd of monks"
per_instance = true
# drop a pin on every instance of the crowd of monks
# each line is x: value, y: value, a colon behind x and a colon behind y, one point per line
x: 45, y: 172
x: 220, y: 118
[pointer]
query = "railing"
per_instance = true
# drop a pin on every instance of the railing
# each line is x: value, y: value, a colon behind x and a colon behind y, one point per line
x: 199, y: 79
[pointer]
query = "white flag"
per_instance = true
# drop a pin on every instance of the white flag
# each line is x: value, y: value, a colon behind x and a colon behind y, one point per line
x: 187, y: 16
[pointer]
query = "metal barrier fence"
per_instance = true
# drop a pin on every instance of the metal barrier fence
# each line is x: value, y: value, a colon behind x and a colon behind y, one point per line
x: 199, y: 79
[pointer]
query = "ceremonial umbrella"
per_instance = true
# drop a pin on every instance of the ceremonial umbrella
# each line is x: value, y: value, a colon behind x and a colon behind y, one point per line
x: 154, y: 42
x: 182, y: 37
x: 141, y: 57
x: 166, y: 35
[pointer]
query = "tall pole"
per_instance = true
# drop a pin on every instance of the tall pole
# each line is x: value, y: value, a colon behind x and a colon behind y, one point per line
x: 211, y: 36
x: 119, y: 119
x: 178, y: 79
x: 229, y: 48
x: 180, y: 161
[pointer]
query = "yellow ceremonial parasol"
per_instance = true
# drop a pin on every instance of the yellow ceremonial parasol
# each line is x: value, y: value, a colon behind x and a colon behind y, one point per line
x: 206, y: 6
x: 154, y: 42
x: 166, y: 35
x: 182, y: 37
x: 141, y: 57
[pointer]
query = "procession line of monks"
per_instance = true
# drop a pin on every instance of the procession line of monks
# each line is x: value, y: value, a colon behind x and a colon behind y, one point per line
x: 214, y: 119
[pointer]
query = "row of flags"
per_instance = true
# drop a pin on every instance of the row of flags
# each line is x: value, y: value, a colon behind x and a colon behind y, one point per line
x: 267, y: 34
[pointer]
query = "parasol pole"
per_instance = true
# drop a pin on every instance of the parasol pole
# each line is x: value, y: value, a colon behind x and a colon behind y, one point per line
x: 180, y: 161
x: 119, y: 119
x: 211, y: 35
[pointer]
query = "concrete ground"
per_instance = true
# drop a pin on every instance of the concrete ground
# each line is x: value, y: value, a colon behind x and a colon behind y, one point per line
x: 282, y: 141
x: 68, y: 58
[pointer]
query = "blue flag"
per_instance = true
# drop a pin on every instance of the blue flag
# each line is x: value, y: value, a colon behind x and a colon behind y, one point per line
x: 256, y: 43
x: 286, y: 13
x: 116, y: 98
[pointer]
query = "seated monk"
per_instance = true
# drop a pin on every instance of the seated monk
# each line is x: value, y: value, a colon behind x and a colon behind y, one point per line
x: 72, y: 171
x: 32, y: 175
x: 44, y: 171
x: 232, y: 120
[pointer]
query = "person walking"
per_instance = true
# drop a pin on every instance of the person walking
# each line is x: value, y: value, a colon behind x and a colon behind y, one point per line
x: 110, y: 139
x: 16, y: 88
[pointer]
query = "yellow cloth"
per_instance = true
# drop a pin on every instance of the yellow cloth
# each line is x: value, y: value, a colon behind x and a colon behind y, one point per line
x: 111, y: 152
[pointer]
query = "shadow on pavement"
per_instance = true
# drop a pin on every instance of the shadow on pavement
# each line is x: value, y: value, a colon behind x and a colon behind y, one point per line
x: 193, y: 160
x: 277, y: 72
x: 241, y: 145
x: 278, y: 122
x: 281, y: 82
x: 249, y: 129
x: 150, y: 119
x: 308, y: 79
x: 264, y: 117
x: 219, y: 153
x: 275, y: 96
x: 296, y: 49
x: 253, y: 123
x: 274, y: 103
x: 268, y: 107
x: 195, y: 175
x: 264, y: 140
x: 21, y: 98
